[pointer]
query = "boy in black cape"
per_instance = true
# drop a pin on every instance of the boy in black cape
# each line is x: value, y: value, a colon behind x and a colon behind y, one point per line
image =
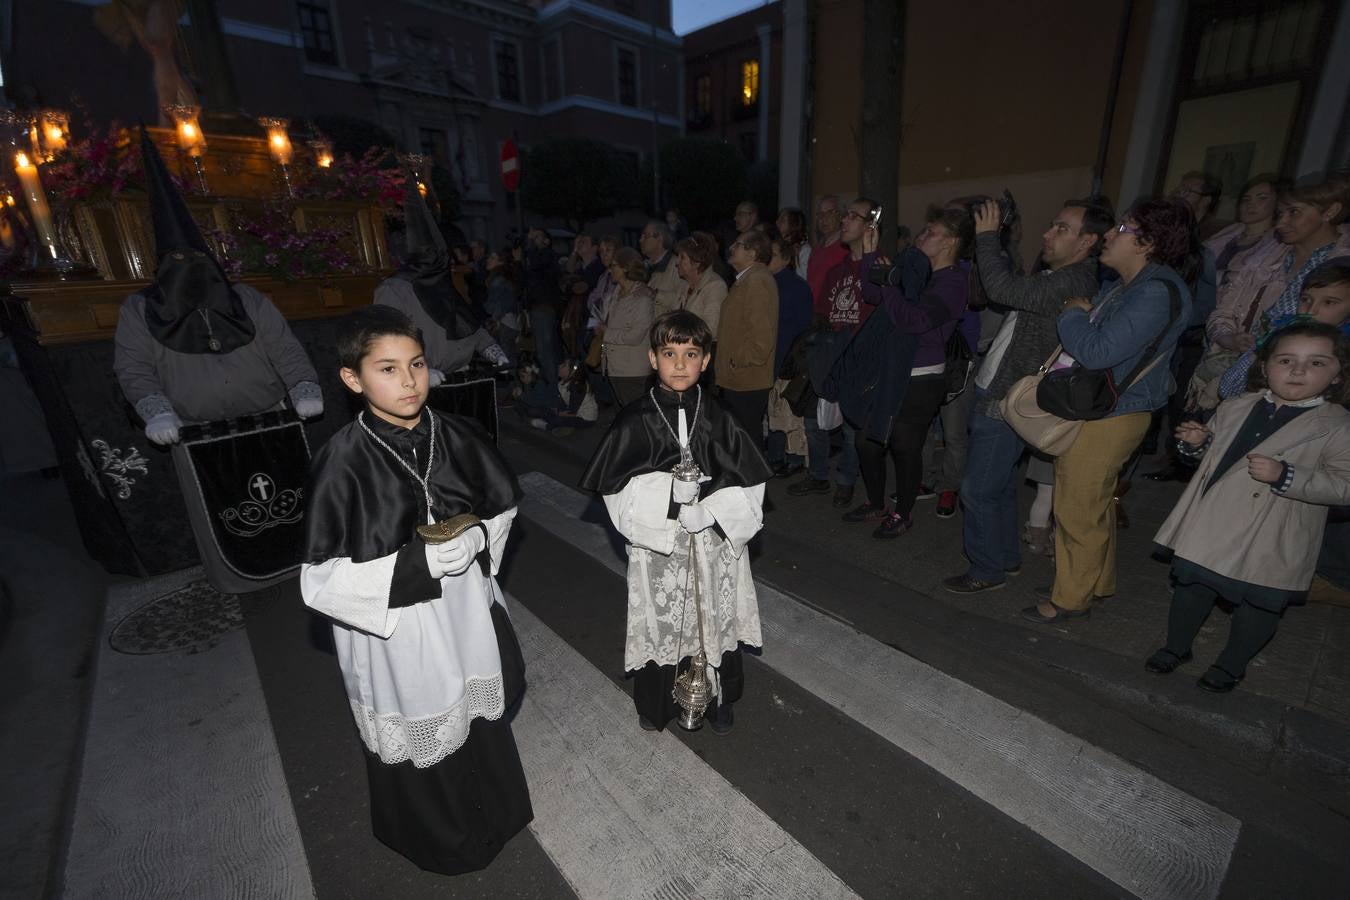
x: 669, y: 522
x: 428, y: 655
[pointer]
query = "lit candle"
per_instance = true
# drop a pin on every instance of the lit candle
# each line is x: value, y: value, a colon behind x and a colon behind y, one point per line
x: 37, y: 201
x: 190, y: 138
x: 421, y: 189
x: 323, y: 152
x: 55, y: 132
x: 278, y: 141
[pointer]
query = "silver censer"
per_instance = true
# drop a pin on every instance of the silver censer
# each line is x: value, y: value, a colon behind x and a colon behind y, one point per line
x: 692, y: 692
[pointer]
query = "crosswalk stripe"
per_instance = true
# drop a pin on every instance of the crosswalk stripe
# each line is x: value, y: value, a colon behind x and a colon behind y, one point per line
x: 627, y: 813
x: 1145, y: 835
x: 182, y: 792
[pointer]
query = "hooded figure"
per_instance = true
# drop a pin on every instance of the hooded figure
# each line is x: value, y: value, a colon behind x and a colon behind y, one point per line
x: 191, y: 346
x: 422, y: 289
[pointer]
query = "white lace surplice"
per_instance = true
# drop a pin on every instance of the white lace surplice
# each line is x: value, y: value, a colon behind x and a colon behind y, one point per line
x: 662, y: 623
x: 416, y: 676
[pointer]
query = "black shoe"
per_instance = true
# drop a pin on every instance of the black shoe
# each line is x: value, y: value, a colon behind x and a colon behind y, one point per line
x: 1032, y: 614
x: 893, y: 526
x: 647, y: 724
x: 1217, y: 681
x: 843, y: 496
x: 722, y: 719
x: 809, y: 485
x: 783, y: 470
x: 1165, y: 661
x: 1046, y: 592
x: 864, y: 513
x: 964, y: 584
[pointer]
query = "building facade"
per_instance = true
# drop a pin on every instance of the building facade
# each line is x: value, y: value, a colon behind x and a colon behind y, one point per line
x: 451, y: 78
x: 733, y: 72
x: 1015, y: 96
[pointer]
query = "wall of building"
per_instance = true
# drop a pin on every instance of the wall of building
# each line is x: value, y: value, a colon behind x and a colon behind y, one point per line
x: 718, y: 51
x: 995, y: 95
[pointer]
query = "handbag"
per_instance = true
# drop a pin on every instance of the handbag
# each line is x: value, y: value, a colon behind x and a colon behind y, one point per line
x: 1051, y: 432
x: 1045, y: 431
x: 960, y: 364
x: 1080, y: 393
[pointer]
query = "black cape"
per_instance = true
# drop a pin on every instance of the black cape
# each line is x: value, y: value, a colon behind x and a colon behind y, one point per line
x: 362, y: 504
x: 637, y: 443
x: 190, y: 307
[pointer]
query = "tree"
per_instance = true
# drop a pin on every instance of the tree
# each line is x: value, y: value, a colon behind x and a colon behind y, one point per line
x: 577, y: 180
x: 883, y: 60
x: 705, y: 179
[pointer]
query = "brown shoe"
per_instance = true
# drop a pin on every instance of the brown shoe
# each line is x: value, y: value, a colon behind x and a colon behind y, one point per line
x: 843, y: 496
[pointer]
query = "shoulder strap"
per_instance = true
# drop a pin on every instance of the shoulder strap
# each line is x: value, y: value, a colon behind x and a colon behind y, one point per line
x: 1150, y: 359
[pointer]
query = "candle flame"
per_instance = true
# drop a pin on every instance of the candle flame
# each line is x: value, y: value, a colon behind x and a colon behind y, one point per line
x: 325, y: 161
x: 278, y: 140
x: 9, y: 199
x: 189, y: 130
x: 54, y: 133
x: 21, y: 160
x: 421, y: 189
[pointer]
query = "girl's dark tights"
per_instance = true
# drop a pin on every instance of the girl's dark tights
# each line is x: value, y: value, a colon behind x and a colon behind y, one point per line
x: 1250, y: 630
x: 908, y: 431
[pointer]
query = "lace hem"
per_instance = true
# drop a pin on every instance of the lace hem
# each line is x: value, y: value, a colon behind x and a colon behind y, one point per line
x: 395, y: 738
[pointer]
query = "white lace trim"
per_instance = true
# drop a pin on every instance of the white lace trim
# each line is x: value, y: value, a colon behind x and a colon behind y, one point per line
x: 396, y: 738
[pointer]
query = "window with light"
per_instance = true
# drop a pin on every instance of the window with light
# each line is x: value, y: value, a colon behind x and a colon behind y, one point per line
x: 749, y: 82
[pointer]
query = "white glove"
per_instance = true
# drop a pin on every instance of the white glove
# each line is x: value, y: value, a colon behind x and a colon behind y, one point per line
x: 435, y: 377
x: 455, y: 557
x: 163, y: 428
x: 683, y: 491
x: 308, y: 409
x: 695, y: 517
x: 494, y: 354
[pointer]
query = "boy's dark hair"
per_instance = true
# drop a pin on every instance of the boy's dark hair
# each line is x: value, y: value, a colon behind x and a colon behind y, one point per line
x: 680, y: 326
x: 1338, y: 392
x: 1335, y: 271
x: 356, y: 331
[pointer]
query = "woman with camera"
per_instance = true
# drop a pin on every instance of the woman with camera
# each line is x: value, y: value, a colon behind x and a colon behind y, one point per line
x: 1133, y: 323
x: 922, y: 326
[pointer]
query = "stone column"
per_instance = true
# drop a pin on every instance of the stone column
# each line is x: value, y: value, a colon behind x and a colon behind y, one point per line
x: 792, y: 108
x: 765, y: 32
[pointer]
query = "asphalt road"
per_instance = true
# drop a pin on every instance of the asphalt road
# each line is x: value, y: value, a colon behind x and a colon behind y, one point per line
x: 883, y: 820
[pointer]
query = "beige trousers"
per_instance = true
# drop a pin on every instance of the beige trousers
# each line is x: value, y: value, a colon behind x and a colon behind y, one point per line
x: 1085, y: 521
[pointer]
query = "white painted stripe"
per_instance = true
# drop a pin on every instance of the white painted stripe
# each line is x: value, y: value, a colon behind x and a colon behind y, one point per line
x: 182, y: 792
x: 1145, y: 835
x: 627, y: 813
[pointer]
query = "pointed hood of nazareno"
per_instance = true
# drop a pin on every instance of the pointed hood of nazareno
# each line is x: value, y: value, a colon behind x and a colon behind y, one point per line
x: 191, y: 306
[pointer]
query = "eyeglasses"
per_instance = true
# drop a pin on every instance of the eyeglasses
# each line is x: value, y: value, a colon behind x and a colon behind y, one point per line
x: 854, y: 214
x: 737, y: 244
x: 647, y: 234
x: 1128, y: 229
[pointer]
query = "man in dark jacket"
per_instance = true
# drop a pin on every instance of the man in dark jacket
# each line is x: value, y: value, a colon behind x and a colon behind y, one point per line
x: 1027, y: 337
x: 545, y: 299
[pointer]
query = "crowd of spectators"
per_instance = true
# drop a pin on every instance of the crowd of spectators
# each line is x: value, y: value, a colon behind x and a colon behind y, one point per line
x: 889, y: 365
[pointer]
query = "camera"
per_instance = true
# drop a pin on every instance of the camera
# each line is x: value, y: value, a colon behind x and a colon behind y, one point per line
x: 884, y: 275
x: 1007, y: 209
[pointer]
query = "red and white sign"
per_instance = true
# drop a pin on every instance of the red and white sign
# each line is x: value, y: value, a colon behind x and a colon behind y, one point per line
x: 510, y: 165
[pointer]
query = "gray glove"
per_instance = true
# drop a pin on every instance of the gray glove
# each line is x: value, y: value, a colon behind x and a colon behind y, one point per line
x: 455, y: 557
x: 307, y: 398
x: 163, y: 428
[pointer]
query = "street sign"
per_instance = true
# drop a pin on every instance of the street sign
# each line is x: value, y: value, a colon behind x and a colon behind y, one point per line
x: 510, y: 165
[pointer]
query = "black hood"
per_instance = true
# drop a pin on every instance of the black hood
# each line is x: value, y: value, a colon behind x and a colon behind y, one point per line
x: 191, y: 306
x: 426, y: 265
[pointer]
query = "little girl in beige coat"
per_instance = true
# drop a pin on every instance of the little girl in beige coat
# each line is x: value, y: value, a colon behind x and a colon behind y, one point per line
x: 1249, y: 526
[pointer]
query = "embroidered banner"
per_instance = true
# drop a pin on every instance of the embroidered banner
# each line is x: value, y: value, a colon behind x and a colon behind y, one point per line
x: 251, y: 487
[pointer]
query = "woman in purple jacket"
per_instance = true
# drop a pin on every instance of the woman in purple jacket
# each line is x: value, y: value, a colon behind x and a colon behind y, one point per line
x: 945, y: 241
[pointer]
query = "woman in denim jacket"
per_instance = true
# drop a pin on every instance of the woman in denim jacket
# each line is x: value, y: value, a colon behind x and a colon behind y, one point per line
x: 1115, y: 330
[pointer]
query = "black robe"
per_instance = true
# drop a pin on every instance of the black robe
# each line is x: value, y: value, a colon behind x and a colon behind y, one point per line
x: 455, y: 815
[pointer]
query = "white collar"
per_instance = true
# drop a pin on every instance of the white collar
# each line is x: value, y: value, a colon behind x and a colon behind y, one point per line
x: 1301, y: 404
